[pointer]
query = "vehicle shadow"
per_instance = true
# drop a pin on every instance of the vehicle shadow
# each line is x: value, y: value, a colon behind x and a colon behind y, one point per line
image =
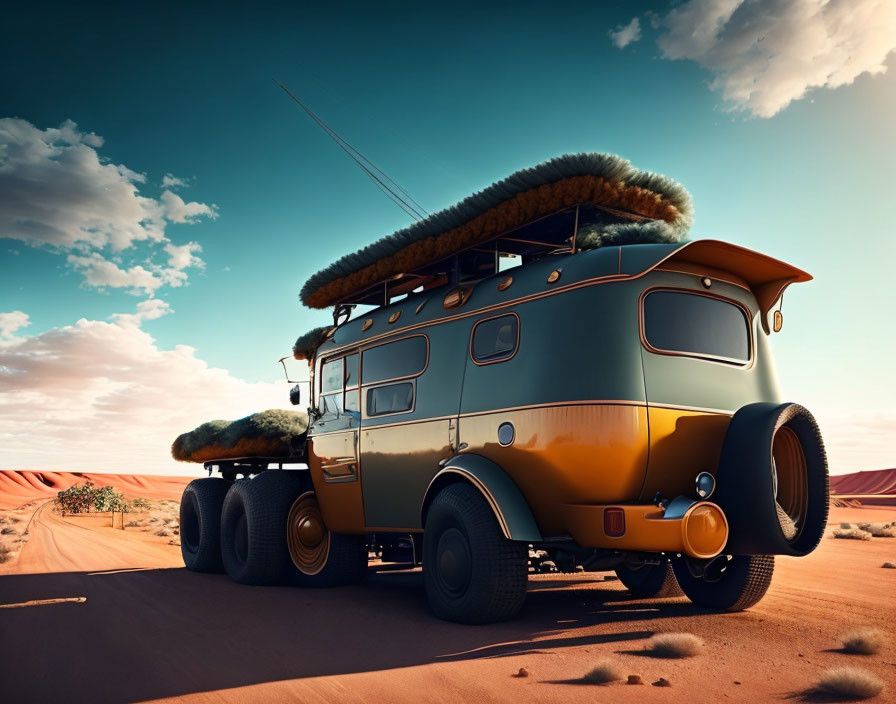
x: 149, y: 634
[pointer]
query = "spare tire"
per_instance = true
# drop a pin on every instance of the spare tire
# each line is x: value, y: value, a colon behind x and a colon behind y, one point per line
x: 773, y: 481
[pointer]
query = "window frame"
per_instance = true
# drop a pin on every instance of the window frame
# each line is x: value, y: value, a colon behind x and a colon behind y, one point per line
x: 379, y: 385
x: 318, y: 386
x: 516, y: 345
x: 365, y: 387
x: 727, y: 361
x: 364, y: 350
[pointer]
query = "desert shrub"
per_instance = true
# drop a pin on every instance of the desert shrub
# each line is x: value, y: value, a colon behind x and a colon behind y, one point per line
x: 132, y: 524
x: 81, y: 498
x: 78, y: 498
x: 8, y: 531
x: 140, y: 504
x: 675, y: 645
x: 853, y: 534
x: 846, y: 526
x: 889, y: 565
x: 4, y: 553
x: 162, y: 533
x: 849, y: 683
x: 605, y: 671
x: 864, y: 641
x: 107, y: 499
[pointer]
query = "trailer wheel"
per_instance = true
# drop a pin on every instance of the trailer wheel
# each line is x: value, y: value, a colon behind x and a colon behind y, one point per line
x: 743, y: 583
x: 472, y: 573
x: 200, y: 524
x: 253, y: 520
x: 319, y: 557
x: 650, y: 581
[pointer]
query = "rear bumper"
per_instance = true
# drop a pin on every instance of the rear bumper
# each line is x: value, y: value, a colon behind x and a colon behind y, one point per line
x: 700, y: 533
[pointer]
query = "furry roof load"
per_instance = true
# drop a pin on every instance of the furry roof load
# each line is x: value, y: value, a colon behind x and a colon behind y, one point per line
x: 642, y: 207
x: 307, y: 344
x: 272, y: 433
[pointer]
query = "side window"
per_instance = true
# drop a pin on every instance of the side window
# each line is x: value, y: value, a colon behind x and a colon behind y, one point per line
x: 392, y: 398
x: 394, y: 360
x: 689, y: 324
x: 331, y: 376
x: 352, y: 388
x: 339, y: 388
x: 495, y: 339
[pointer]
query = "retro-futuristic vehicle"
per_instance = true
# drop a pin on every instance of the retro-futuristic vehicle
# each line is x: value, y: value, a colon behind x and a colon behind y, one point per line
x: 611, y: 400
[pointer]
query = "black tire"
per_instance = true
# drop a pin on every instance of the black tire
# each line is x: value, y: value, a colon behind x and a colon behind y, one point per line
x: 334, y: 560
x: 472, y: 573
x: 773, y: 464
x: 200, y: 524
x: 650, y: 581
x: 253, y: 526
x: 743, y: 583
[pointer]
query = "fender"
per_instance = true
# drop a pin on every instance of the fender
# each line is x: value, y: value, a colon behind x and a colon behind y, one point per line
x: 510, y: 507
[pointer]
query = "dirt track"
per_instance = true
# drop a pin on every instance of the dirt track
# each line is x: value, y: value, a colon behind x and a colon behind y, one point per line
x: 167, y: 633
x: 58, y: 544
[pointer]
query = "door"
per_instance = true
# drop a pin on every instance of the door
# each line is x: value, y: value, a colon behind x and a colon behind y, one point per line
x: 333, y: 439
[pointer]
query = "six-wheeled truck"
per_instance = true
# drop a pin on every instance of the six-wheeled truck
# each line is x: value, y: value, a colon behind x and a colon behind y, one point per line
x: 546, y: 366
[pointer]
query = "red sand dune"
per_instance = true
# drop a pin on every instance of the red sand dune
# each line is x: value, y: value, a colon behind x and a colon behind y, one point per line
x: 19, y: 487
x: 876, y: 487
x: 881, y: 481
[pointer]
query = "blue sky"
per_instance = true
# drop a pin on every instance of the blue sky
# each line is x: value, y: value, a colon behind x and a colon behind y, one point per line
x: 446, y: 99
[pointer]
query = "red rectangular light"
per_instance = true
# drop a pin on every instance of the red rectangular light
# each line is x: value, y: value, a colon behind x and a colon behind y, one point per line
x: 614, y: 522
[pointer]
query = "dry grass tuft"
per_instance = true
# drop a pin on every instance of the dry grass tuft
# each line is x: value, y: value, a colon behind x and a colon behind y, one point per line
x: 676, y: 645
x: 853, y: 534
x: 889, y: 565
x: 848, y: 683
x: 605, y: 671
x: 4, y: 553
x: 846, y: 526
x: 864, y: 641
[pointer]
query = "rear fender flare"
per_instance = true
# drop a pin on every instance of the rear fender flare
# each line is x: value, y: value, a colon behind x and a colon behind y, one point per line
x: 504, y: 497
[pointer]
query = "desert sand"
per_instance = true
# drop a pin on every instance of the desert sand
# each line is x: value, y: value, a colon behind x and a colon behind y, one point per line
x: 114, y: 617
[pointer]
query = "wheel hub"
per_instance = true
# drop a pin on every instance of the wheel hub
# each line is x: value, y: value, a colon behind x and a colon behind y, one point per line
x: 454, y: 561
x: 311, y: 531
x: 307, y: 536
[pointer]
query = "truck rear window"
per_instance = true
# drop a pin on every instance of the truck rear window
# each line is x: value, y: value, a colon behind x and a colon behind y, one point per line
x: 695, y: 325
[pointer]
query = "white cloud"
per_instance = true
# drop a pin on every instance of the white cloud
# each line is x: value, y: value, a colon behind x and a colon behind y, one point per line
x: 764, y: 54
x: 176, y: 210
x: 625, y: 35
x: 56, y: 191
x: 103, y: 396
x: 184, y: 256
x: 172, y: 181
x: 150, y: 309
x: 11, y: 322
x: 102, y: 273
